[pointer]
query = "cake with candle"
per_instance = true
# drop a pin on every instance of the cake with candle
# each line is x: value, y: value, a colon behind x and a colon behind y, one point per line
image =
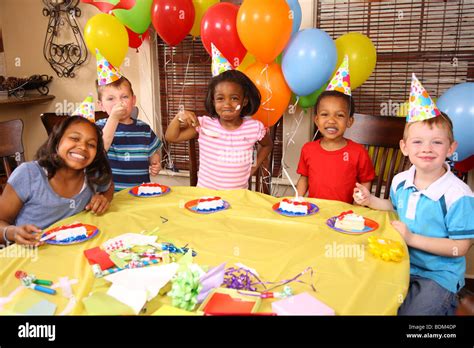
x: 297, y: 206
x: 210, y: 204
x: 348, y: 220
x: 149, y: 189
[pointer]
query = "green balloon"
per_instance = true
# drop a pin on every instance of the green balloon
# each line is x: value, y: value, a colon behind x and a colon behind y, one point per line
x: 138, y: 18
x: 308, y: 101
x: 279, y: 58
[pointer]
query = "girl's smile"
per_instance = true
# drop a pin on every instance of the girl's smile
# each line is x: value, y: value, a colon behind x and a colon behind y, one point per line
x: 78, y: 145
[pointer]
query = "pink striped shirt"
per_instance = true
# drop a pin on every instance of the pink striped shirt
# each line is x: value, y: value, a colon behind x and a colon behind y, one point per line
x: 225, y: 156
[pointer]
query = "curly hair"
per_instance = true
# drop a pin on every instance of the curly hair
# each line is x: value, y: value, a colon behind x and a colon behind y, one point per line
x: 347, y: 98
x: 98, y: 173
x: 251, y: 92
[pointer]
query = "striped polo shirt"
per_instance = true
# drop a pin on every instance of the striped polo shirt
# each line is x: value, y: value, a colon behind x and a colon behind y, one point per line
x: 226, y: 156
x: 129, y: 153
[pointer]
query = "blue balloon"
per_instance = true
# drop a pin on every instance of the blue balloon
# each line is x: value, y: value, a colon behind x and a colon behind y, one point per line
x: 458, y: 103
x: 295, y: 9
x: 308, y: 61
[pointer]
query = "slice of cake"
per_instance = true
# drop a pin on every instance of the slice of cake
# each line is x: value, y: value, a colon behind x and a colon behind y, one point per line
x: 207, y: 204
x: 295, y: 206
x: 348, y: 220
x: 149, y: 189
x: 72, y: 232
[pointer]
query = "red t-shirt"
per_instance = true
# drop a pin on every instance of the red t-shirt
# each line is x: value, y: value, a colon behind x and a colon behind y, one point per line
x: 333, y: 174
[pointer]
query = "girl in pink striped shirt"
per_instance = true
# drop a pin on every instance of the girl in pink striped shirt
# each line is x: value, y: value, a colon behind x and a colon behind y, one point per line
x: 226, y: 137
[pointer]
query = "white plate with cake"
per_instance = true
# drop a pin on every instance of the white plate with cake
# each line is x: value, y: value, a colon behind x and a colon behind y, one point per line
x: 207, y: 205
x: 149, y: 190
x: 295, y: 207
x: 352, y: 223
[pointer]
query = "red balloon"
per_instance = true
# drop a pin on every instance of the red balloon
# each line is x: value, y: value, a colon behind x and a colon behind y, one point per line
x: 219, y: 26
x: 172, y: 19
x: 135, y: 40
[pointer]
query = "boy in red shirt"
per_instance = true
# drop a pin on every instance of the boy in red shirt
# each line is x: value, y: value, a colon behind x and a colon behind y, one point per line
x: 330, y: 167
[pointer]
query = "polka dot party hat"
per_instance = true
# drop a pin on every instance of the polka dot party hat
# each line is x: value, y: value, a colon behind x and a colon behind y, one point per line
x: 341, y: 80
x: 86, y: 109
x: 219, y: 63
x: 421, y: 105
x: 106, y: 72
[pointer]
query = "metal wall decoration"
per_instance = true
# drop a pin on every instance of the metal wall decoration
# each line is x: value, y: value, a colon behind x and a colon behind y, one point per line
x: 64, y: 57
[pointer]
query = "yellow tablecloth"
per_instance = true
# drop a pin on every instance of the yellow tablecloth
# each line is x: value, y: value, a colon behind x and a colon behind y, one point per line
x: 250, y: 232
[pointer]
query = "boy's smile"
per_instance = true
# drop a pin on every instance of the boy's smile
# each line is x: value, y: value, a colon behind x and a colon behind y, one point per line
x: 427, y: 146
x: 332, y: 118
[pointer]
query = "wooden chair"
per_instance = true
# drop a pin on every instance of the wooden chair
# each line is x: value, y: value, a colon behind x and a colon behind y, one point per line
x: 262, y: 184
x: 51, y: 119
x: 11, y: 148
x: 381, y: 136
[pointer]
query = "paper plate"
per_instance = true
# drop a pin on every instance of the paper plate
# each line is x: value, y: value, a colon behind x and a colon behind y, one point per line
x: 192, y: 206
x: 313, y: 209
x: 164, y: 190
x: 370, y: 225
x: 92, y: 231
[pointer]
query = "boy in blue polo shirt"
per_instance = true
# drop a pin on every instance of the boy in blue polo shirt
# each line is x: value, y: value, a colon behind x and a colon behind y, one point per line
x: 131, y: 144
x: 436, y: 210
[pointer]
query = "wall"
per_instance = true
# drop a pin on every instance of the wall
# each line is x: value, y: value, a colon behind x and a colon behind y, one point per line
x: 24, y: 29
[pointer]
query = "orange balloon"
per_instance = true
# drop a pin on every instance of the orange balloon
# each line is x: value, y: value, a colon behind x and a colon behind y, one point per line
x: 275, y: 92
x: 264, y: 27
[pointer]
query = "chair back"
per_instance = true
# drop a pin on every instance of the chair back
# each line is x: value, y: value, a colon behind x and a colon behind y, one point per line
x: 381, y: 135
x: 11, y: 148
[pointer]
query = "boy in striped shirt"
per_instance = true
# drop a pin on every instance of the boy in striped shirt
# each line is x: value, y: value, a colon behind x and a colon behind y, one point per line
x: 131, y: 145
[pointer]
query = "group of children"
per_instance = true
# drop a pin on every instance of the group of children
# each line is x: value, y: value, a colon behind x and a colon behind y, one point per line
x: 80, y: 166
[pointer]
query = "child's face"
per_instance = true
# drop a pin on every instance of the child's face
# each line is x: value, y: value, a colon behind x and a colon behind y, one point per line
x: 332, y: 117
x: 229, y: 100
x: 114, y: 95
x: 427, y: 147
x: 78, y: 145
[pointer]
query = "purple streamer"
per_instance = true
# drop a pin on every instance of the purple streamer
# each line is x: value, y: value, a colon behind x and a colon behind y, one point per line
x: 243, y: 279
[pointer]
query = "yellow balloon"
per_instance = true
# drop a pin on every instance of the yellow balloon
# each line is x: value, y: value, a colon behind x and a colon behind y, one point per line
x: 200, y: 8
x: 362, y: 56
x: 106, y: 33
x: 249, y: 59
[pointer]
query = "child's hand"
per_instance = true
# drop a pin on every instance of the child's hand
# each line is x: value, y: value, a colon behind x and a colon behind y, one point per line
x: 25, y: 234
x: 118, y: 111
x: 403, y: 230
x: 188, y: 118
x: 98, y: 204
x: 361, y: 195
x: 155, y: 167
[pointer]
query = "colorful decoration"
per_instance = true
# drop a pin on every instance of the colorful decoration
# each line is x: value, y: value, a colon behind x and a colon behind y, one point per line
x: 386, y: 249
x: 106, y: 72
x: 219, y: 63
x: 341, y: 81
x: 86, y: 109
x: 422, y: 106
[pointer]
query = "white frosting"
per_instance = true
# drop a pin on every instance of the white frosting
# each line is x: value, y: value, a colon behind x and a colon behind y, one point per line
x: 290, y: 207
x: 149, y: 189
x: 210, y: 205
x: 351, y: 222
x: 71, y: 233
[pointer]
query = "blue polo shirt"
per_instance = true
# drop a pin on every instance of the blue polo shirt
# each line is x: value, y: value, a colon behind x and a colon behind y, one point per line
x: 443, y: 210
